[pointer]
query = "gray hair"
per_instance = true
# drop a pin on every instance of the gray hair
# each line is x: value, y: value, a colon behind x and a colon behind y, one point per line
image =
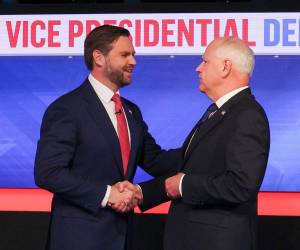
x: 238, y: 52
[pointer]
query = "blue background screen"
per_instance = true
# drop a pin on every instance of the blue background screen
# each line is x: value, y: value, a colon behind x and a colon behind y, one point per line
x: 166, y: 90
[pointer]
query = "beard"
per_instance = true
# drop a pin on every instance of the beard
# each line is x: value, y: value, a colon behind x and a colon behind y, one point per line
x: 116, y: 76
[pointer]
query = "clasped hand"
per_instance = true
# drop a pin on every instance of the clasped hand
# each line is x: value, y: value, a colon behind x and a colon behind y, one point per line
x: 172, y: 186
x: 124, y: 196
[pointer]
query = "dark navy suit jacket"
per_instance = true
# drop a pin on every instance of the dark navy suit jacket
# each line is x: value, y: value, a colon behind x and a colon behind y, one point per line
x: 224, y: 166
x: 78, y: 155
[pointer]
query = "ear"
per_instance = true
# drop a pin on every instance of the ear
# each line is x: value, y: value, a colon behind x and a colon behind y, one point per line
x: 227, y: 67
x: 98, y: 58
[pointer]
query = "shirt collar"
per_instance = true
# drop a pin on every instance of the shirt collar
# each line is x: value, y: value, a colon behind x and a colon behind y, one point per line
x: 220, y: 102
x: 102, y: 91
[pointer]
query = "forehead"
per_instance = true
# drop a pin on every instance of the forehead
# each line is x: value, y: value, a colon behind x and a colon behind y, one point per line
x: 123, y: 43
x: 208, y: 51
x: 212, y: 48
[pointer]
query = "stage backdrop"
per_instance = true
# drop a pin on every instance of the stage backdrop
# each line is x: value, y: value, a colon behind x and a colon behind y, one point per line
x: 41, y: 59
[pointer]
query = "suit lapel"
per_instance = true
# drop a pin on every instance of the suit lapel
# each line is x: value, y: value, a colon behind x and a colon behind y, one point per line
x: 133, y: 139
x: 97, y: 111
x: 214, y: 121
x: 189, y: 137
x: 203, y: 129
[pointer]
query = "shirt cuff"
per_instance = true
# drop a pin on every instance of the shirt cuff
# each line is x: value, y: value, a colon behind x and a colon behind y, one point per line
x: 180, y: 185
x: 106, y: 196
x: 141, y: 191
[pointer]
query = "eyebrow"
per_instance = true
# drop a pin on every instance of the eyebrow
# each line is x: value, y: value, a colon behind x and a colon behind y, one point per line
x: 127, y: 52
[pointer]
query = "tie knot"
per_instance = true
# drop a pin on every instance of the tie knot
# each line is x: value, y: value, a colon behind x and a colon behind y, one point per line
x: 116, y: 98
x: 118, y: 103
x: 212, y: 108
x: 209, y: 112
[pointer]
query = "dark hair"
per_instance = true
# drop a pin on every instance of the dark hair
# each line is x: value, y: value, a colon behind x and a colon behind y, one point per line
x: 101, y: 38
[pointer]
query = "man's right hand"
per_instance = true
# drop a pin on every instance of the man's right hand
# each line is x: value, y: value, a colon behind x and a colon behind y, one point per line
x: 119, y: 200
x: 125, y: 196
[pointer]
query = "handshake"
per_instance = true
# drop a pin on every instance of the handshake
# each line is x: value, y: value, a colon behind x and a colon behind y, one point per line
x: 124, y: 196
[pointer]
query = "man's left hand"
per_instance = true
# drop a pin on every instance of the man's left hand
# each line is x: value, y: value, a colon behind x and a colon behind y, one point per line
x: 172, y: 186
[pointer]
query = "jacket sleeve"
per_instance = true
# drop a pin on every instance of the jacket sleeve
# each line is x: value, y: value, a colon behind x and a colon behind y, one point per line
x: 153, y: 159
x: 154, y: 192
x: 158, y: 163
x: 55, y: 153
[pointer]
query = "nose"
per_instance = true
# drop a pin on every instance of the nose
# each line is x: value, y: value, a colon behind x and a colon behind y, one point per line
x: 199, y: 68
x: 132, y: 60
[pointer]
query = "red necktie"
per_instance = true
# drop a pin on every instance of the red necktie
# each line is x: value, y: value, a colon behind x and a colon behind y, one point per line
x: 122, y: 131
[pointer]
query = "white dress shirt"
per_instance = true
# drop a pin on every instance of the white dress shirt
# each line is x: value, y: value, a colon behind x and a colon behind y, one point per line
x: 220, y: 102
x: 105, y: 94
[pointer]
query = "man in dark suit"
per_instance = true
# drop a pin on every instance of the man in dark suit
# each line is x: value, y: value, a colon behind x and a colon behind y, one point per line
x: 91, y: 139
x: 214, y: 193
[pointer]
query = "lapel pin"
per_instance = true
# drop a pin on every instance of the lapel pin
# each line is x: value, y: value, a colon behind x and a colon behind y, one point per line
x: 129, y: 110
x: 223, y: 112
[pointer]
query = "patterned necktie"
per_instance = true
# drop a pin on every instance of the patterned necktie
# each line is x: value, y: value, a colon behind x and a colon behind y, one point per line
x: 208, y: 113
x: 122, y: 131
